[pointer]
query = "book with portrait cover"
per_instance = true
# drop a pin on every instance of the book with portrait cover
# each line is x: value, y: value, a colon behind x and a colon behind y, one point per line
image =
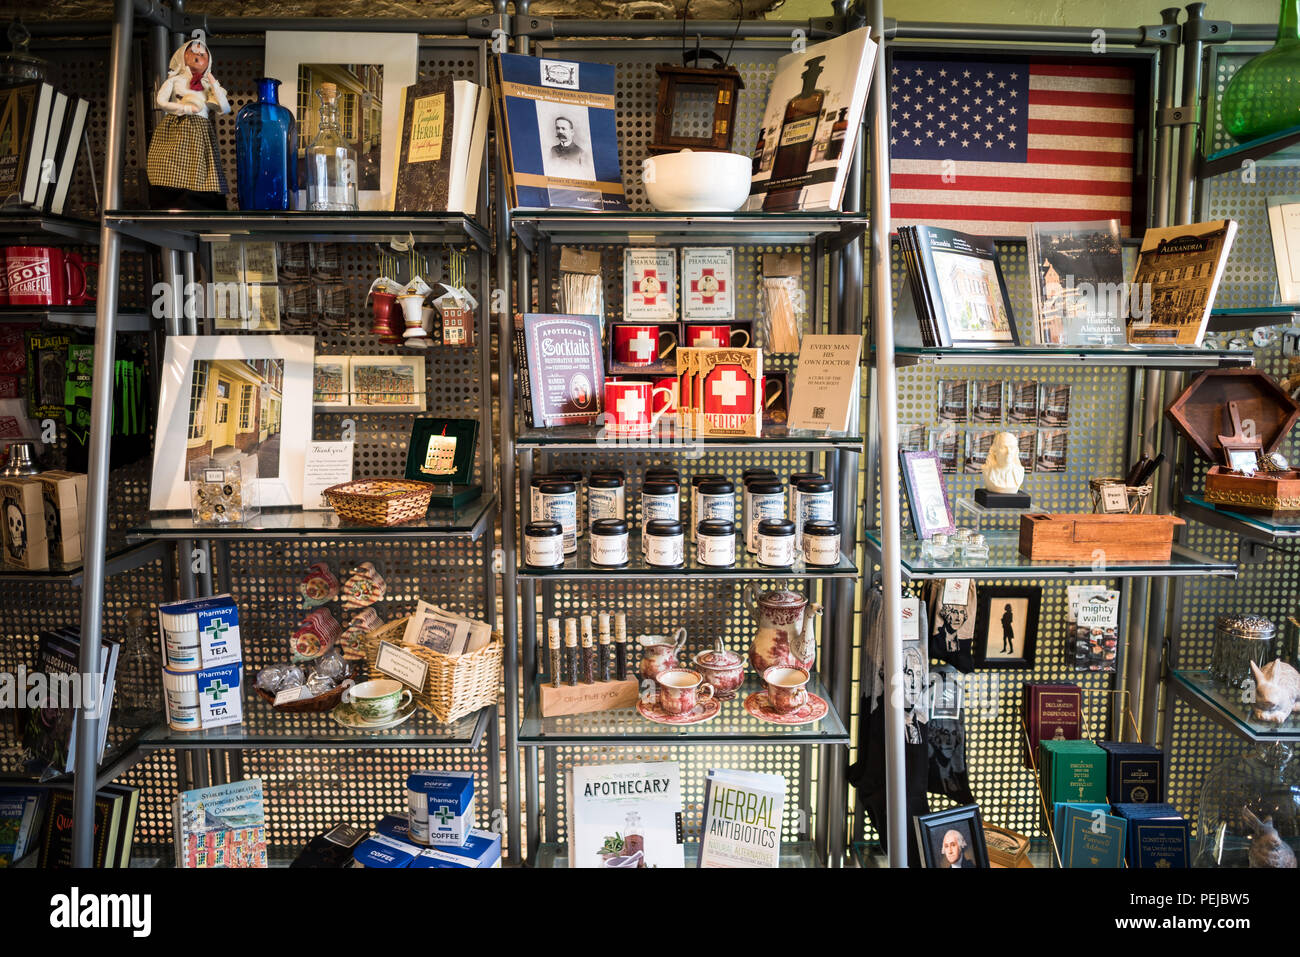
x: 1077, y: 281
x: 742, y: 819
x: 957, y: 283
x: 561, y: 369
x: 625, y: 815
x: 557, y: 123
x: 814, y: 110
x: 1177, y: 276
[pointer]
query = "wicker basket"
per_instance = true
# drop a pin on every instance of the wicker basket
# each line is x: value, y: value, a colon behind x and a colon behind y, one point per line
x: 454, y: 687
x: 380, y: 501
x: 1138, y: 495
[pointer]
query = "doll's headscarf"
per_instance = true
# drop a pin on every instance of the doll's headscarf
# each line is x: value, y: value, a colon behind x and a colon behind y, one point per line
x: 177, y: 65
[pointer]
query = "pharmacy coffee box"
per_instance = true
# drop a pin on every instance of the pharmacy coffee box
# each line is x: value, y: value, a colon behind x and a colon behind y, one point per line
x: 441, y: 805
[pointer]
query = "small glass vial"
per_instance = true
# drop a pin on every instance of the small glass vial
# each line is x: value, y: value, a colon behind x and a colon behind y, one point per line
x: 580, y: 488
x: 543, y: 545
x: 560, y: 504
x: 609, y: 542
x: 620, y: 646
x: 715, y: 543
x: 766, y: 500
x: 821, y: 543
x: 139, y: 691
x: 694, y: 503
x: 975, y: 550
x: 182, y: 697
x: 553, y: 646
x: 776, y: 542
x: 572, y: 657
x: 588, y: 652
x: 605, y: 497
x: 659, y: 500
x: 665, y: 543
x: 816, y: 499
x: 603, y: 646
x: 936, y: 548
x: 715, y: 500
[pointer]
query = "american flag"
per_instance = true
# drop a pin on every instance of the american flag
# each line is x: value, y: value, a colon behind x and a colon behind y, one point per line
x: 1028, y: 140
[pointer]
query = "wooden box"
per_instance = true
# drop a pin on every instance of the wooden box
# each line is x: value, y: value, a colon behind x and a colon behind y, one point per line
x: 581, y: 699
x: 1085, y: 538
x: 1273, y: 493
x: 1201, y: 412
x: 65, y: 517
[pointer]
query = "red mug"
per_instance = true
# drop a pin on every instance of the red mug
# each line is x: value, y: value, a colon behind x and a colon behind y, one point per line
x: 45, y: 276
x: 641, y: 345
x: 715, y: 337
x: 629, y: 406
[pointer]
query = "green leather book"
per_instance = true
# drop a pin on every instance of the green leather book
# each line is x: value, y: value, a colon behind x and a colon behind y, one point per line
x: 1075, y: 771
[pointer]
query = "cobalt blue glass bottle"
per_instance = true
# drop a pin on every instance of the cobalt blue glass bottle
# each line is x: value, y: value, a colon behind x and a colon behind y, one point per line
x: 266, y: 151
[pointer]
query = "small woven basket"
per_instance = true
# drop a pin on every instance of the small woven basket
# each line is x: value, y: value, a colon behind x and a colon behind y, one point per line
x: 380, y: 501
x: 454, y: 686
x: 1138, y: 495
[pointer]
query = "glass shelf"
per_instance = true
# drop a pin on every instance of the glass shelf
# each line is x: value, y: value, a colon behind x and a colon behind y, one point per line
x: 28, y: 222
x: 184, y: 229
x: 798, y: 854
x: 1253, y: 527
x: 263, y: 728
x: 574, y: 227
x: 122, y: 559
x: 1252, y: 317
x: 1145, y: 357
x: 625, y: 726
x: 1005, y: 561
x: 468, y: 521
x: 80, y: 317
x: 747, y: 566
x: 668, y: 438
x: 1204, y: 694
x: 1228, y: 160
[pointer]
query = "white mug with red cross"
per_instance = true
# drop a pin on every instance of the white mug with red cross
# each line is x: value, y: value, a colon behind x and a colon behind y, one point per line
x: 629, y: 406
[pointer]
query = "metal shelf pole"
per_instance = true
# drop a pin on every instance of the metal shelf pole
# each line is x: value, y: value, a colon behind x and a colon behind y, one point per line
x: 882, y: 318
x: 101, y: 427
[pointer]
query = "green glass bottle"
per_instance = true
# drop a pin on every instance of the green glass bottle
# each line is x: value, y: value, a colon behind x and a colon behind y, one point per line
x: 1263, y: 96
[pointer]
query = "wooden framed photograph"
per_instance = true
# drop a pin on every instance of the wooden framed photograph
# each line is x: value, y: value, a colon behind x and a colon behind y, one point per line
x: 952, y: 838
x: 1006, y: 625
x: 927, y: 494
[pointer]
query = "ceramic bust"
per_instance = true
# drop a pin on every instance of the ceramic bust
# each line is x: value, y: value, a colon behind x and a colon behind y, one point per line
x: 184, y: 164
x: 1003, y: 472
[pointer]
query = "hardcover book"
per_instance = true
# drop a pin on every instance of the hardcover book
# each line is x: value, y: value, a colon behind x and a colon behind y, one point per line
x: 800, y: 164
x: 1177, y: 275
x: 562, y: 374
x: 221, y: 826
x: 1058, y: 816
x: 1050, y: 712
x: 1073, y: 771
x: 1093, y: 840
x: 742, y: 819
x: 50, y: 734
x: 17, y: 113
x: 443, y: 132
x: 20, y: 817
x: 559, y: 133
x: 56, y: 841
x: 825, y: 390
x: 1135, y: 773
x: 1158, y: 836
x: 961, y: 293
x: 1077, y: 281
x: 625, y: 815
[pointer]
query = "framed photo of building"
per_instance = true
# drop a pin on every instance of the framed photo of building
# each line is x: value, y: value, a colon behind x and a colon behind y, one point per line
x: 226, y: 396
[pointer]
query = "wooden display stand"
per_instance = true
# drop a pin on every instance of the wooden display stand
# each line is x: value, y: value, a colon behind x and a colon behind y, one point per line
x: 1077, y: 537
x: 581, y: 698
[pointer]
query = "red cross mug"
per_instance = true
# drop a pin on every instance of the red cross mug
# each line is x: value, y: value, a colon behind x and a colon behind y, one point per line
x: 630, y: 405
x: 642, y: 345
x: 716, y: 337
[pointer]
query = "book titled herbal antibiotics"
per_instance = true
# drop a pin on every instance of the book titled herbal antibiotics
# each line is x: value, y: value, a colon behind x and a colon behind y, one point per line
x: 742, y: 819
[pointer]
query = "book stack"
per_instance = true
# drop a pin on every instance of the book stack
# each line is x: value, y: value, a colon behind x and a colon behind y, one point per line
x: 439, y: 160
x: 45, y: 133
x: 1072, y: 771
x: 1049, y: 711
x: 1158, y: 836
x: 1091, y: 838
x: 958, y: 289
x: 116, y: 810
x: 1134, y: 773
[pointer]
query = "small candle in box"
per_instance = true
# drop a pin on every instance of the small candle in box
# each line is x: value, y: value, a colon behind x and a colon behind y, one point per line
x: 441, y: 805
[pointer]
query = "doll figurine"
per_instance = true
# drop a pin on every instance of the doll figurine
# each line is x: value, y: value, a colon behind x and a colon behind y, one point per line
x: 184, y: 160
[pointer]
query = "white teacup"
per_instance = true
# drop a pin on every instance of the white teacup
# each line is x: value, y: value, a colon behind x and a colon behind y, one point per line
x: 377, y: 700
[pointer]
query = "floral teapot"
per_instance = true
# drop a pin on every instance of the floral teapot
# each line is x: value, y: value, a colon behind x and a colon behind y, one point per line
x: 785, y: 629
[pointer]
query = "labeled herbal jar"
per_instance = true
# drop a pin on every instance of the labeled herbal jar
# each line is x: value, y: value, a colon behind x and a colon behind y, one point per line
x: 766, y: 500
x: 560, y: 504
x: 606, y: 496
x: 821, y: 543
x: 609, y: 542
x: 659, y: 500
x: 715, y: 543
x: 543, y: 544
x: 665, y: 543
x: 776, y: 542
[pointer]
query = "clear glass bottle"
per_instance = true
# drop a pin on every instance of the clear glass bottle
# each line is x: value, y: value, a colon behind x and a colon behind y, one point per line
x: 331, y: 160
x: 139, y: 672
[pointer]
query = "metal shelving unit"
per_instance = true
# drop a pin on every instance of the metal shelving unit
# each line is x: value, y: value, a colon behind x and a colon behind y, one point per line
x: 832, y: 246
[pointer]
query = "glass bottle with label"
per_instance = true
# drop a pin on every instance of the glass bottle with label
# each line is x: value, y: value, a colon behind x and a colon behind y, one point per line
x: 331, y: 160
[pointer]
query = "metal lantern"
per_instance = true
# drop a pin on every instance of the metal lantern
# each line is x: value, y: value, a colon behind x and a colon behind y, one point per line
x: 685, y: 89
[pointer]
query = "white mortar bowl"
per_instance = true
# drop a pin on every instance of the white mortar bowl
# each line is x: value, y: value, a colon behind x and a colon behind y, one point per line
x: 697, y: 181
